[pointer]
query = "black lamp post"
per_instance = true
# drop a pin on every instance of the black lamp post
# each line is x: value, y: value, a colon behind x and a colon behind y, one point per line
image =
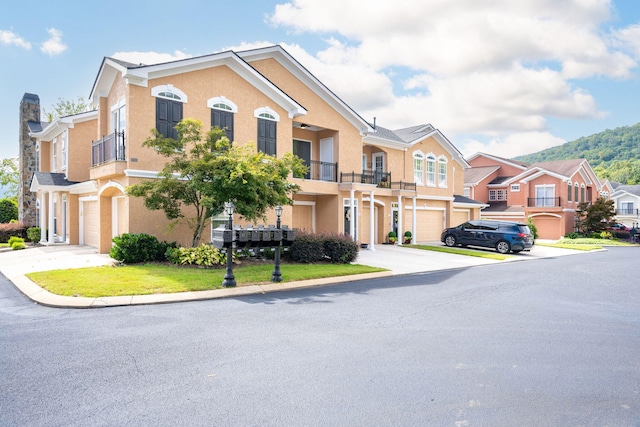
x: 229, y: 278
x: 276, y: 276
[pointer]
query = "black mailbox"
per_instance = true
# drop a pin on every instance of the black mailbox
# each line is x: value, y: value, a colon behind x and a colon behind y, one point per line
x: 267, y: 238
x: 277, y: 236
x: 243, y: 237
x: 222, y: 238
x: 256, y: 237
x: 288, y: 236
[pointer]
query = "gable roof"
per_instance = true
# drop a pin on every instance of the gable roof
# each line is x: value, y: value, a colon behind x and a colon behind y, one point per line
x: 515, y: 163
x: 46, y: 131
x: 279, y: 54
x: 473, y: 176
x: 54, y: 181
x: 407, y: 137
x: 561, y: 169
x: 140, y: 75
x: 633, y: 190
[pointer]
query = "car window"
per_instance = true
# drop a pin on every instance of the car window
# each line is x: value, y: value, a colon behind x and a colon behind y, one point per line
x: 489, y: 226
x: 524, y: 229
x: 468, y: 226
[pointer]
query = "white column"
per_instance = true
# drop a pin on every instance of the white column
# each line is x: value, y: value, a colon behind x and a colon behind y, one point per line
x: 372, y: 226
x: 400, y: 230
x: 413, y: 221
x: 43, y: 217
x: 354, y: 218
x: 50, y: 215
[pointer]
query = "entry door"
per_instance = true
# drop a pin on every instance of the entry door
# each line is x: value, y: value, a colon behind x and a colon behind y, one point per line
x: 326, y: 156
x: 377, y: 166
x: 302, y: 149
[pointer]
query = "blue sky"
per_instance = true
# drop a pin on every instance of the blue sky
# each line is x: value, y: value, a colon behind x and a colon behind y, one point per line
x: 502, y: 77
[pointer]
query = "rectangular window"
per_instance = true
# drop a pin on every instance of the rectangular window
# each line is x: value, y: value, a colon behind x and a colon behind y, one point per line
x: 267, y: 136
x: 224, y: 120
x: 54, y: 155
x: 515, y: 188
x: 442, y: 174
x: 467, y: 192
x: 497, y: 195
x: 545, y: 195
x: 64, y: 150
x: 626, y: 208
x: 582, y: 194
x: 418, y: 170
x: 576, y: 193
x: 431, y: 172
x: 569, y: 191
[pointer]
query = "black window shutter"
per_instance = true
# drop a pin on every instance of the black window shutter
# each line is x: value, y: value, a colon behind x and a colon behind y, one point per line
x: 168, y: 115
x: 267, y: 136
x: 224, y: 120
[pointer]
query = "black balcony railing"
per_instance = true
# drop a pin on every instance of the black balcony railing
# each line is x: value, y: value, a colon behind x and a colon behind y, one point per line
x: 627, y: 211
x: 367, y: 177
x: 321, y: 171
x: 543, y: 202
x: 110, y: 147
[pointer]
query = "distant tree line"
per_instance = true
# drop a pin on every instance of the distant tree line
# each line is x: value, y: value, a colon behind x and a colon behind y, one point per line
x: 613, y: 154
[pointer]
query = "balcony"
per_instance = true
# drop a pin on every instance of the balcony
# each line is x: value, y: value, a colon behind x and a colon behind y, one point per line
x: 627, y: 211
x: 109, y: 148
x: 321, y: 171
x: 543, y: 202
x: 380, y: 179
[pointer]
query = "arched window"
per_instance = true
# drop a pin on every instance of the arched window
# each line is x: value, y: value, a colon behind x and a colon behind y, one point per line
x: 442, y: 171
x: 431, y: 169
x: 582, y: 193
x: 222, y: 111
x: 575, y: 193
x: 569, y: 191
x: 267, y: 129
x: 169, y: 100
x: 418, y: 167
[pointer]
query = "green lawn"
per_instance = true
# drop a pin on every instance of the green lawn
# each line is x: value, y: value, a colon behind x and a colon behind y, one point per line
x: 585, y: 244
x: 460, y: 251
x: 145, y: 279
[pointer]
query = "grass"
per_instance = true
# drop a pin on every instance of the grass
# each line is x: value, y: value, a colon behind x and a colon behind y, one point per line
x: 459, y: 251
x: 146, y: 279
x: 585, y: 244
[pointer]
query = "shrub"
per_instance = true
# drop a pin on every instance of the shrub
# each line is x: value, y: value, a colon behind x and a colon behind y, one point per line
x: 33, y: 234
x: 204, y: 255
x: 573, y: 235
x: 407, y: 237
x: 307, y: 248
x: 132, y: 248
x: 340, y: 248
x: 8, y: 210
x: 621, y: 234
x: 595, y: 236
x: 14, y: 239
x: 605, y: 235
x: 7, y: 230
x: 17, y: 244
x: 532, y: 227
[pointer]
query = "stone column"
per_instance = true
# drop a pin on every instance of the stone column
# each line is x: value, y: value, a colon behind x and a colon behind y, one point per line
x: 29, y: 112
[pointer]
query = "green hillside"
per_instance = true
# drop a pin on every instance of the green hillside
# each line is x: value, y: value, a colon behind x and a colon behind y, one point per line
x: 613, y: 154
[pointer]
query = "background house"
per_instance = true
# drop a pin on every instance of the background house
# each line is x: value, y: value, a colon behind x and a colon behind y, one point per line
x: 627, y: 203
x: 364, y: 180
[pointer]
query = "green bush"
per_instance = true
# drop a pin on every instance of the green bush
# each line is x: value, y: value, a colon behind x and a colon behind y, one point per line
x: 307, y: 248
x: 204, y: 255
x: 14, y: 239
x: 621, y: 234
x: 595, y: 236
x: 18, y: 244
x: 8, y: 230
x: 133, y: 248
x: 573, y: 235
x: 8, y: 210
x: 340, y: 248
x: 532, y: 227
x: 33, y: 234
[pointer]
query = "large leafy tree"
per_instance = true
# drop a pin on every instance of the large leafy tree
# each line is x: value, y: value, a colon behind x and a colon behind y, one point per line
x: 593, y: 217
x: 10, y: 177
x: 68, y: 107
x: 204, y: 170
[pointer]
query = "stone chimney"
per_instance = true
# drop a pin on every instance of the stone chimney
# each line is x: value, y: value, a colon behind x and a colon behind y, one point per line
x: 28, y: 158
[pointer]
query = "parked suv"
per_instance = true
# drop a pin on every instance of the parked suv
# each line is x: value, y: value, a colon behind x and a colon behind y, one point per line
x: 505, y: 236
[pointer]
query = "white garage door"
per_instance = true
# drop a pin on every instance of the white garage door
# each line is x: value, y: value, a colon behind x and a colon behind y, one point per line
x: 90, y: 223
x: 429, y: 225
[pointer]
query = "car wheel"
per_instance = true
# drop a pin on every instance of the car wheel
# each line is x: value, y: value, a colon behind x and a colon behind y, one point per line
x: 450, y: 240
x: 503, y: 247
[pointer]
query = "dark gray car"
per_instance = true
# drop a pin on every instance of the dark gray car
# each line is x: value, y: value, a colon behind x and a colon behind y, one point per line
x: 504, y: 236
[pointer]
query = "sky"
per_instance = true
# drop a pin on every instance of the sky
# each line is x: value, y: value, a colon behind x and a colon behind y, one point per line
x: 502, y: 77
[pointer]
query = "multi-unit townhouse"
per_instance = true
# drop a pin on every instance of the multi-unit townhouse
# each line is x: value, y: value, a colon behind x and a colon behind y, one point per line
x: 546, y: 192
x: 364, y: 180
x: 627, y: 204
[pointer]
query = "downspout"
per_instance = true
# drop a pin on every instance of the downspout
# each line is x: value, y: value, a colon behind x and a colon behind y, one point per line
x: 371, y: 224
x: 354, y: 218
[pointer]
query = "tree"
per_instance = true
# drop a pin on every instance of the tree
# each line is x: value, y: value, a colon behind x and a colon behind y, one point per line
x: 8, y: 210
x: 594, y: 217
x: 10, y: 177
x: 204, y: 173
x: 67, y: 108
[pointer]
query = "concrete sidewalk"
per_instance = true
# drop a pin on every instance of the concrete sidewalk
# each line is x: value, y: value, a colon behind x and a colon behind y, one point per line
x: 14, y: 265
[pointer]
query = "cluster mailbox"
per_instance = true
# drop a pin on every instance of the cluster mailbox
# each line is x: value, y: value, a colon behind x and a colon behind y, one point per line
x: 251, y: 237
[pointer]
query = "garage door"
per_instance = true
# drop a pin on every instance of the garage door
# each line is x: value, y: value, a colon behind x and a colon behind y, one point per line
x: 548, y: 227
x: 90, y: 223
x: 429, y: 225
x: 303, y: 217
x: 458, y: 217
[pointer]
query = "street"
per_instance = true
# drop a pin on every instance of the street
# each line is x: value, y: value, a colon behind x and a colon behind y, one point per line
x: 545, y: 342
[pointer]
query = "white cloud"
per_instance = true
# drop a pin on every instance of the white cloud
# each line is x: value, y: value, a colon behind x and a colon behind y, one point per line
x: 512, y: 145
x: 150, y: 58
x: 498, y: 68
x: 11, y: 38
x: 54, y: 45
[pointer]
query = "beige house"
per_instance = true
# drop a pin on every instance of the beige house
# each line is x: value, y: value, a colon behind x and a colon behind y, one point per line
x: 363, y: 180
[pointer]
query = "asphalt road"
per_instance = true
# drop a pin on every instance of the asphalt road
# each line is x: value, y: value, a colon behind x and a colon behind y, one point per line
x: 547, y: 342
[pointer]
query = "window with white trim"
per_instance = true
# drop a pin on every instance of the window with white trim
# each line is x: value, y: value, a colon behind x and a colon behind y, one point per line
x: 418, y: 168
x: 498, y: 195
x: 575, y: 193
x: 569, y: 191
x: 222, y: 114
x: 169, y: 100
x: 54, y: 155
x: 431, y: 169
x: 64, y: 150
x: 267, y: 130
x: 545, y: 195
x: 467, y: 192
x: 442, y: 171
x: 515, y: 188
x: 582, y: 192
x: 626, y: 208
